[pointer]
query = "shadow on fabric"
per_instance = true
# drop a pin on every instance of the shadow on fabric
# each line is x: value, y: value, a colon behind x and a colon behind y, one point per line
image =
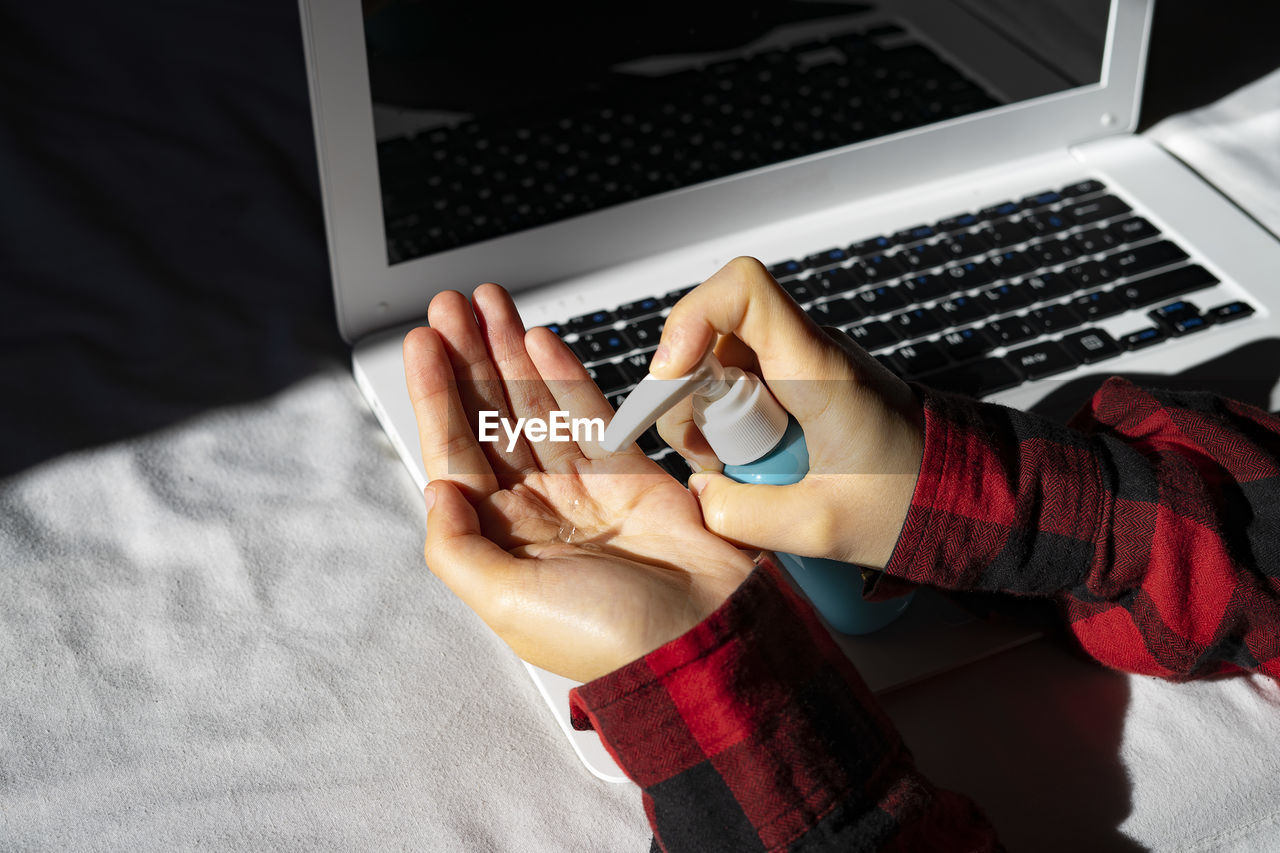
x: 162, y: 246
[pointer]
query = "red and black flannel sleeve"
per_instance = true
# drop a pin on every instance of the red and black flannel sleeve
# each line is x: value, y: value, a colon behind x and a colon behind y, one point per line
x: 1154, y: 517
x: 753, y: 731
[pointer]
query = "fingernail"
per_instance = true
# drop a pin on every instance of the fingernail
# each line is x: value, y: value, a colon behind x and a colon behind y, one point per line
x: 429, y: 497
x: 697, y: 483
x: 661, y: 356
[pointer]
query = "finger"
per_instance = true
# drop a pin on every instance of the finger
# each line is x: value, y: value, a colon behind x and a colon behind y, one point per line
x: 804, y: 368
x: 747, y: 514
x: 742, y: 299
x: 527, y: 393
x: 449, y: 446
x: 732, y: 352
x: 677, y: 429
x: 476, y: 569
x: 479, y: 384
x: 571, y: 386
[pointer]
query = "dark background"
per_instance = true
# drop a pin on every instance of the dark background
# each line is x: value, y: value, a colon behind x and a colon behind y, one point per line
x: 161, y: 238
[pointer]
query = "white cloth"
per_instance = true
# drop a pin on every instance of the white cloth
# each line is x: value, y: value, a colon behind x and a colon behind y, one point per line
x: 223, y: 635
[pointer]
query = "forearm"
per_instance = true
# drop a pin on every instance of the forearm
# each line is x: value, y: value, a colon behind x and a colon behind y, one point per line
x: 1154, y: 518
x: 753, y: 731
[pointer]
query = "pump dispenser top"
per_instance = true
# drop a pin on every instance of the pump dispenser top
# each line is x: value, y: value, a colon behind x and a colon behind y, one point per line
x: 740, y: 419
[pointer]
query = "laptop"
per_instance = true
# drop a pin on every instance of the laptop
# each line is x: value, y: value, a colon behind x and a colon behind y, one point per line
x: 954, y: 183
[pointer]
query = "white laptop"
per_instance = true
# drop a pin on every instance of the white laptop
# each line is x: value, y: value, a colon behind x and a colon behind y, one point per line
x: 954, y: 182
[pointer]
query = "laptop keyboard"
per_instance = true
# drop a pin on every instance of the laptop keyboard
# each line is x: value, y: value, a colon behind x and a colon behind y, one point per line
x: 975, y: 303
x: 483, y: 178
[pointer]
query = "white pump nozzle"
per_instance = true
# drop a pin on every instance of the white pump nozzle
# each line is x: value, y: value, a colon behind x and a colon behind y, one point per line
x: 738, y: 416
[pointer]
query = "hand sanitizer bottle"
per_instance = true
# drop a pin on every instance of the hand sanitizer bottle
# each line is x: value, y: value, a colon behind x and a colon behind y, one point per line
x: 758, y: 442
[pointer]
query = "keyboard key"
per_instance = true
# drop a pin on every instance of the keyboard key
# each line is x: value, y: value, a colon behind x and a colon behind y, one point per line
x: 1031, y: 202
x: 1041, y: 359
x: 1048, y: 222
x: 913, y: 359
x: 1047, y: 286
x: 963, y: 309
x: 923, y: 288
x: 591, y: 321
x: 1145, y: 258
x: 913, y: 235
x: 1091, y: 273
x: 916, y: 323
x: 976, y: 378
x: 1007, y: 208
x: 1010, y: 263
x: 608, y: 377
x: 646, y: 332
x: 1011, y: 330
x: 877, y: 268
x: 1095, y: 240
x: 965, y: 344
x: 872, y: 336
x: 1191, y: 323
x: 640, y: 308
x: 1165, y: 285
x: 1082, y: 188
x: 1053, y: 318
x: 879, y: 300
x: 874, y: 246
x: 1180, y: 317
x: 1143, y: 338
x: 1004, y: 298
x: 1230, y: 311
x: 835, y: 281
x: 1097, y: 305
x: 802, y: 290
x: 1052, y: 252
x: 598, y: 346
x: 1006, y: 233
x: 674, y: 464
x: 835, y: 312
x: 786, y: 269
x: 558, y: 328
x: 650, y: 442
x: 636, y: 366
x: 961, y: 246
x: 968, y: 275
x: 955, y: 223
x: 922, y: 257
x: 1131, y: 230
x: 829, y: 258
x: 1091, y: 345
x: 1102, y: 207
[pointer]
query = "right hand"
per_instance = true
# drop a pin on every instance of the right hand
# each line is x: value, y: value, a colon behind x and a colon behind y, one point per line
x: 863, y: 426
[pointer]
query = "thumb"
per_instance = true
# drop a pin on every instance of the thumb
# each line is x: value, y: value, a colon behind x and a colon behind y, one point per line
x: 457, y: 552
x: 774, y: 518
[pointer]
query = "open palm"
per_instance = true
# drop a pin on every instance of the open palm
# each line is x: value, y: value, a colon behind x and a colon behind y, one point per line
x: 580, y: 560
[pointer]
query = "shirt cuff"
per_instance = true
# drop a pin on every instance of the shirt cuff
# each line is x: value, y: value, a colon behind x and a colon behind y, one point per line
x: 996, y: 488
x: 756, y: 703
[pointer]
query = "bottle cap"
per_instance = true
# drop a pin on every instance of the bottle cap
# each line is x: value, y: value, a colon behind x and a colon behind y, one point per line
x: 740, y: 419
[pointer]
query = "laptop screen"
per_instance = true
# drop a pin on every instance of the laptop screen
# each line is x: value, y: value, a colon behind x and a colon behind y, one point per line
x: 493, y: 120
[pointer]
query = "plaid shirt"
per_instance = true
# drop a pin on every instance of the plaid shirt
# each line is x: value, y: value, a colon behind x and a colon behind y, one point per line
x: 1155, y: 521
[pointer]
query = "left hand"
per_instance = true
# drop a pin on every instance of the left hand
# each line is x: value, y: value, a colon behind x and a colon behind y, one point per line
x: 581, y: 561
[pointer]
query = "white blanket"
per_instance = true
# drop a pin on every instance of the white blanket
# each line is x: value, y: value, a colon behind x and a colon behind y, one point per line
x: 223, y: 635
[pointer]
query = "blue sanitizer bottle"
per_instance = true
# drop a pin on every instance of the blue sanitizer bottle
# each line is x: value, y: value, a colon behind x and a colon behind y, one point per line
x: 758, y: 442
